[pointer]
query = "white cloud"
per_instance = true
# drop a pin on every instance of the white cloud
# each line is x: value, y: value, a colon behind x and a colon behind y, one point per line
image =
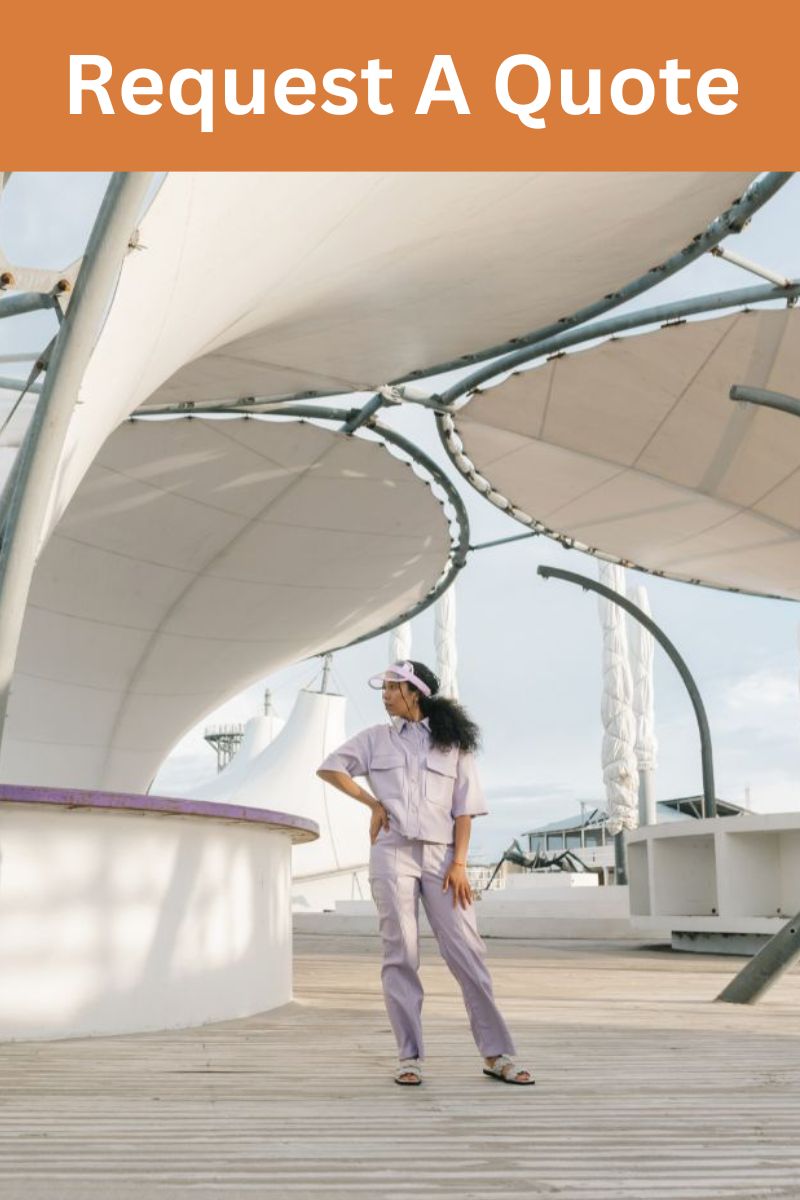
x: 764, y: 704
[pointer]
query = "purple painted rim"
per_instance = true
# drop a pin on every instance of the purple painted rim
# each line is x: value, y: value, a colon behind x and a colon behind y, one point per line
x: 299, y: 828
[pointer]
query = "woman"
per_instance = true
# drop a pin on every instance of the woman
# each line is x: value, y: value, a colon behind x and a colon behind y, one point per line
x: 422, y: 771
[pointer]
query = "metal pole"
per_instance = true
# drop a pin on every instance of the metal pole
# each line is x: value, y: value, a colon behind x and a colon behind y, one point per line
x: 753, y: 395
x: 647, y: 799
x: 40, y: 452
x: 709, y: 796
x: 775, y: 958
x: 363, y: 415
x: 620, y: 859
x: 517, y: 537
x: 733, y: 220
x: 25, y: 302
x: 783, y: 950
x: 553, y: 343
x: 9, y: 384
x: 747, y: 264
x: 663, y: 313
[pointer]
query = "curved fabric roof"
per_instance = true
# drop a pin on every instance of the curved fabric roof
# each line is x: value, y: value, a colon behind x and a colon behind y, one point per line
x: 257, y: 734
x: 273, y: 284
x: 633, y: 449
x: 196, y: 557
x: 286, y: 768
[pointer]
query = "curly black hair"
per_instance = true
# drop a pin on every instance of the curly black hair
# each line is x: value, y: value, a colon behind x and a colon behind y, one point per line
x: 449, y: 722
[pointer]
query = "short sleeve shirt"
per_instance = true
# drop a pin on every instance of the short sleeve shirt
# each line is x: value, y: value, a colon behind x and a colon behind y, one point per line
x: 422, y: 787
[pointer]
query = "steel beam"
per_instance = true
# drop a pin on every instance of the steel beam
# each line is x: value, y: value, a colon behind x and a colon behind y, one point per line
x: 733, y: 220
x: 661, y: 314
x: 746, y: 264
x: 363, y: 415
x: 19, y: 385
x: 753, y: 395
x: 773, y: 960
x: 25, y: 302
x: 38, y: 458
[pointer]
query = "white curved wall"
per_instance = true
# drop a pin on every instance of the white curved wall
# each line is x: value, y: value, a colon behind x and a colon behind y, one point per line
x: 119, y: 921
x: 334, y: 866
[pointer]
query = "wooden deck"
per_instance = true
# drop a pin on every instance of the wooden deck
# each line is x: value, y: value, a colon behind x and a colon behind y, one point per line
x: 644, y: 1089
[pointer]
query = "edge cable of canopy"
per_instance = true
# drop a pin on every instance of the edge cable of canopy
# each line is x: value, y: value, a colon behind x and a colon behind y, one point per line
x: 736, y: 302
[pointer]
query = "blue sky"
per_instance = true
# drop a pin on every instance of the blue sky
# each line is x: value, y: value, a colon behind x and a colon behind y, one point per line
x: 530, y: 651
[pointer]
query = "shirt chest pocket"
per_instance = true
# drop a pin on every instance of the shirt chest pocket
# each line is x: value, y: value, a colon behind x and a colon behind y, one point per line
x: 386, y: 774
x: 440, y: 777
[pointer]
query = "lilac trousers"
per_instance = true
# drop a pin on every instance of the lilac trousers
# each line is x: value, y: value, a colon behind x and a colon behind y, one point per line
x: 403, y: 870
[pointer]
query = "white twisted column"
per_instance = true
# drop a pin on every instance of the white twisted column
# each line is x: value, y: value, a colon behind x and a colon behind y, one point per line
x: 446, y: 648
x: 642, y: 647
x: 620, y: 774
x: 400, y: 643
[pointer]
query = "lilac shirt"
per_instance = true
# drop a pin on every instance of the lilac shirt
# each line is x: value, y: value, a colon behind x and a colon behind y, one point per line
x: 421, y: 787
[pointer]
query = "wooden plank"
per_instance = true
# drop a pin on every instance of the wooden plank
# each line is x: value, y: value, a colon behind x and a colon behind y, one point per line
x: 645, y: 1087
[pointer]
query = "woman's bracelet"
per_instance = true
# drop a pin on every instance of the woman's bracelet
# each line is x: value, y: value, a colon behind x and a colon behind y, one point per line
x: 457, y: 864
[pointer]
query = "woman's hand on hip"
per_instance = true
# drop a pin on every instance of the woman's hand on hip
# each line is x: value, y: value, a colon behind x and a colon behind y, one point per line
x: 457, y: 879
x: 378, y: 821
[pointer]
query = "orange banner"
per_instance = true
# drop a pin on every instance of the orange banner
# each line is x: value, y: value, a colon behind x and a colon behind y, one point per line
x: 418, y: 86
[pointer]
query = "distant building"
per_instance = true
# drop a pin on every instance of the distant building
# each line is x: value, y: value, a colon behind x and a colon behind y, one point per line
x: 586, y: 836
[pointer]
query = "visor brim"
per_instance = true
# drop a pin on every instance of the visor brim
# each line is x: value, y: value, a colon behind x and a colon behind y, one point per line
x: 377, y: 681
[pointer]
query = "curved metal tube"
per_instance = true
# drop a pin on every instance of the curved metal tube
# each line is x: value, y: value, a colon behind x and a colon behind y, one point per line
x: 753, y: 395
x: 709, y: 794
x: 39, y: 454
x: 712, y: 302
x: 547, y: 339
x: 733, y: 220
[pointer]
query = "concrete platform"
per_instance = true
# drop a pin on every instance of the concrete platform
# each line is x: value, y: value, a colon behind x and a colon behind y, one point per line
x: 534, y: 908
x: 645, y: 1088
x: 497, y: 924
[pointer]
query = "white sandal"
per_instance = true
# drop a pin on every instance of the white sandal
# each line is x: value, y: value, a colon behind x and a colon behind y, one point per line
x: 408, y: 1066
x: 512, y: 1075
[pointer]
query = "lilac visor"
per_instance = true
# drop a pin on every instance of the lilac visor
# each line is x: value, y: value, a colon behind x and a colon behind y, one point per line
x: 400, y: 672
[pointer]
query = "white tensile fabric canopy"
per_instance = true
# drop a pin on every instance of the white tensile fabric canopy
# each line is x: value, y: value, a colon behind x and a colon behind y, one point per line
x: 273, y: 284
x: 284, y: 774
x: 197, y: 557
x: 257, y: 735
x: 40, y: 279
x: 633, y: 449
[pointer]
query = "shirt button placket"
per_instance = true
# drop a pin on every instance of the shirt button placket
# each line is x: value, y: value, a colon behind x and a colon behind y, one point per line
x: 413, y: 789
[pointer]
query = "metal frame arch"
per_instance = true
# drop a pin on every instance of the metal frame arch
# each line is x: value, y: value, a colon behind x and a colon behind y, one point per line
x: 677, y: 659
x: 732, y: 220
x: 25, y: 501
x: 662, y: 314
